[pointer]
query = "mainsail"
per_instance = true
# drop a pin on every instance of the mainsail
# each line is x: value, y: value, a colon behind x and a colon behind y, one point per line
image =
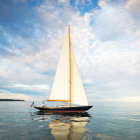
x: 68, y: 79
x: 78, y: 93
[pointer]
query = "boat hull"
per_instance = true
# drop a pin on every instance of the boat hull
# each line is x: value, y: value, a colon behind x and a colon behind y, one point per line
x: 64, y: 109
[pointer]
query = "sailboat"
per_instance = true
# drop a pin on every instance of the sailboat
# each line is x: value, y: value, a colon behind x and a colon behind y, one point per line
x: 67, y: 86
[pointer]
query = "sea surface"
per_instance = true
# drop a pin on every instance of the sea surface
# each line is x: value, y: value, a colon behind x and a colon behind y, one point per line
x: 105, y: 121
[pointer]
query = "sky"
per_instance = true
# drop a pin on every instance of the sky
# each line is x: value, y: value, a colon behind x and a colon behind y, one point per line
x: 105, y: 37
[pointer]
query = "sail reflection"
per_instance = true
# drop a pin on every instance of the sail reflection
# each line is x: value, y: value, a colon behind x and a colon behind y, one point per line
x: 67, y: 126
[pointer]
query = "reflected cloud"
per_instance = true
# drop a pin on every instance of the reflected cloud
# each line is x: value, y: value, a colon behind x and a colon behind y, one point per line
x: 100, y: 137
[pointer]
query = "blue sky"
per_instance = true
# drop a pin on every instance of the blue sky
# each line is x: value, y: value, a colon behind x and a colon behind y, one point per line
x: 105, y: 37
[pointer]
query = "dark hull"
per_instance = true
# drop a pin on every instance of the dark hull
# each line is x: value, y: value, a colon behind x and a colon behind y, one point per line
x: 64, y: 109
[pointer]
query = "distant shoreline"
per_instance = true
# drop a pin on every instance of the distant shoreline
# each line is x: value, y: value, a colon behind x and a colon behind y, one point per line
x: 11, y: 100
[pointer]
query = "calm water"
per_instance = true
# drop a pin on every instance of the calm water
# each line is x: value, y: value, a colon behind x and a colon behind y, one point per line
x: 105, y: 121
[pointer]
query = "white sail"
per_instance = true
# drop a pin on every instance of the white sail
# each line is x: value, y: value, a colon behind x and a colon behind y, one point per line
x: 60, y: 90
x: 61, y: 86
x: 78, y: 93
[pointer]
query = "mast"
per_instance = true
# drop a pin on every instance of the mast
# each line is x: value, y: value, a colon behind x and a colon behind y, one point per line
x: 70, y: 62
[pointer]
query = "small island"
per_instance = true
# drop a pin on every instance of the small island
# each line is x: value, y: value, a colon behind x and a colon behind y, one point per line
x: 11, y: 100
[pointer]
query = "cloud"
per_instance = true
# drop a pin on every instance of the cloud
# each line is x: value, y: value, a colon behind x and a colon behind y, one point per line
x: 112, y: 23
x: 63, y: 1
x: 130, y: 99
x: 36, y: 88
x: 125, y: 99
x: 104, y: 39
x: 102, y: 3
x: 133, y: 5
x: 18, y: 72
x: 4, y: 94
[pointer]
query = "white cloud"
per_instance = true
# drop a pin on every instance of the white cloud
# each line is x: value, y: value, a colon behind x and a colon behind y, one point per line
x: 29, y: 87
x: 124, y: 99
x: 130, y: 99
x: 16, y: 72
x: 4, y: 94
x: 106, y: 50
x: 102, y: 3
x: 63, y: 1
x: 133, y: 5
x: 112, y: 23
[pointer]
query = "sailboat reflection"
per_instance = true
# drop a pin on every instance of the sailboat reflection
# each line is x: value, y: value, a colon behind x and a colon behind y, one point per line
x: 67, y: 126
